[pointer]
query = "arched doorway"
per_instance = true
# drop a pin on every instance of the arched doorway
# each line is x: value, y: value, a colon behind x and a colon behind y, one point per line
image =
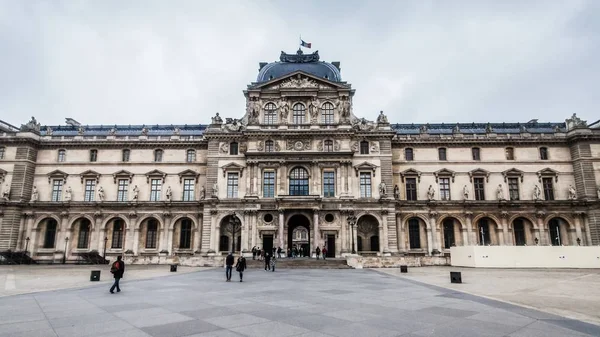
x: 298, y: 234
x: 558, y: 229
x: 523, y: 232
x: 368, y: 234
x: 230, y: 233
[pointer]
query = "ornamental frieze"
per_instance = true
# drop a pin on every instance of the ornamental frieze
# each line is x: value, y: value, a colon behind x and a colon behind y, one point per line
x: 298, y: 145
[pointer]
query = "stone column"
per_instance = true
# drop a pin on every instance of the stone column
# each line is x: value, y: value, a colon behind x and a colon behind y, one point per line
x: 245, y: 226
x: 401, y: 233
x: 248, y: 180
x: 341, y: 180
x: 280, y: 231
x: 282, y: 185
x: 543, y: 240
x: 166, y: 241
x: 198, y: 235
x: 349, y: 179
x: 135, y: 241
x: 129, y: 232
x: 435, y: 239
x: 578, y: 233
x: 507, y: 239
x: 28, y: 230
x: 469, y: 221
x: 385, y: 249
x: 355, y: 234
x: 431, y: 234
x: 254, y: 230
x: 317, y: 231
x: 62, y: 234
x: 22, y: 229
x: 314, y: 185
x: 33, y: 242
x: 213, y: 229
x: 343, y: 234
x: 255, y: 173
x: 94, y: 238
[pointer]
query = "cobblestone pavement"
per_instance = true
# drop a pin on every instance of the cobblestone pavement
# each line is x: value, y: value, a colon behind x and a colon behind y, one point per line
x: 572, y: 293
x: 285, y: 303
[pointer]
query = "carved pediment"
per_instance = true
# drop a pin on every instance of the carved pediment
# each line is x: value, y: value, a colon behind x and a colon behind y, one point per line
x: 232, y: 167
x: 122, y: 175
x: 479, y: 172
x: 411, y: 173
x: 57, y: 174
x: 513, y: 172
x: 156, y: 174
x: 188, y: 174
x: 89, y: 174
x: 365, y: 166
x: 444, y: 173
x: 547, y: 172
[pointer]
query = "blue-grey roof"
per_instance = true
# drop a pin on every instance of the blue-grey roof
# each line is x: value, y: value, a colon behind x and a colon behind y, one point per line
x: 479, y: 128
x: 125, y: 130
x: 290, y: 63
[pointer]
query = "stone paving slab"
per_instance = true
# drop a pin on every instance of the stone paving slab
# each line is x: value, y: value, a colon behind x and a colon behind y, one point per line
x: 316, y: 303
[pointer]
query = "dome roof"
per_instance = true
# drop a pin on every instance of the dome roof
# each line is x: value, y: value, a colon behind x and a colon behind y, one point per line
x: 290, y: 63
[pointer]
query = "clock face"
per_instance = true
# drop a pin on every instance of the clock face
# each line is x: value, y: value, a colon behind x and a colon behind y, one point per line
x: 298, y: 145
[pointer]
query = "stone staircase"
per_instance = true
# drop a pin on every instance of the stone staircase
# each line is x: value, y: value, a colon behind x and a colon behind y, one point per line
x: 301, y: 263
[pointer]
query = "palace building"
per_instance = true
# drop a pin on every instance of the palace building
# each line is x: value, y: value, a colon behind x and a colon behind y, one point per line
x: 299, y: 168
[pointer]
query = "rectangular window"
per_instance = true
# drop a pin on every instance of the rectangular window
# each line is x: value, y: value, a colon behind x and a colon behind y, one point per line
x: 442, y: 153
x: 122, y: 190
x: 117, y: 235
x: 444, y: 188
x: 408, y: 154
x: 151, y: 234
x: 191, y: 156
x: 513, y: 188
x: 232, y: 185
x: 2, y: 151
x: 84, y: 235
x: 548, y: 188
x: 90, y: 189
x: 155, y: 188
x: 125, y: 155
x: 233, y: 149
x: 188, y: 189
x: 543, y: 153
x: 328, y: 184
x: 414, y: 234
x: 479, y: 186
x: 510, y: 153
x: 519, y: 230
x: 50, y: 237
x: 268, y: 184
x: 62, y: 156
x: 364, y: 147
x: 185, y: 237
x: 158, y: 155
x: 476, y: 152
x: 411, y: 189
x: 57, y: 185
x: 93, y: 155
x: 365, y: 185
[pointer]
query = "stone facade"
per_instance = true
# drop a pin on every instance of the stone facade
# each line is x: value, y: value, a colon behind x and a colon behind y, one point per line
x: 298, y: 158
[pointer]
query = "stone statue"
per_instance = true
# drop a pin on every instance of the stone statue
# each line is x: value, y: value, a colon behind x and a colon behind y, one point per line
x: 431, y: 193
x: 169, y: 193
x: 144, y: 131
x: 34, y: 194
x: 598, y: 192
x: 136, y: 193
x: 466, y: 192
x: 382, y: 189
x: 396, y: 192
x: 202, y: 192
x: 284, y: 108
x: 456, y: 129
x: 500, y: 192
x: 112, y: 132
x: 68, y: 194
x: 572, y: 193
x: 537, y: 193
x: 488, y: 128
x: 215, y: 190
x: 423, y: 129
x: 100, y: 194
x: 382, y: 119
x: 80, y: 130
x: 217, y: 119
x: 32, y: 125
x: 48, y: 131
x: 176, y: 132
x: 313, y: 108
x: 6, y: 192
x: 344, y: 108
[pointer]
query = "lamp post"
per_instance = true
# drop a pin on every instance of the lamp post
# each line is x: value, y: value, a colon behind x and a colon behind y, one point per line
x: 234, y: 225
x: 27, y: 245
x: 351, y: 222
x: 105, y: 241
x: 65, y: 255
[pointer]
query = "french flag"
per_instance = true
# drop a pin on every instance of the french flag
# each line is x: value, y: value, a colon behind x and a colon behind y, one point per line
x: 305, y: 44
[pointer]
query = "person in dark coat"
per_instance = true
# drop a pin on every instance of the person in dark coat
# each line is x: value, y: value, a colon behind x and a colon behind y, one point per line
x: 118, y: 269
x: 279, y: 250
x: 228, y: 267
x: 318, y: 252
x: 267, y: 261
x: 240, y: 266
x: 254, y: 253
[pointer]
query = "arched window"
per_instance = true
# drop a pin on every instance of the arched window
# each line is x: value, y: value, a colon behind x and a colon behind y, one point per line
x: 191, y: 156
x: 270, y: 114
x: 151, y: 233
x: 117, y: 234
x: 484, y: 232
x: 555, y: 237
x: 543, y: 153
x: 185, y: 236
x: 328, y: 146
x: 510, y: 153
x: 449, y: 233
x: 158, y: 155
x: 50, y: 235
x: 327, y: 113
x: 269, y: 146
x: 299, y: 114
x: 299, y: 181
x: 414, y: 234
x: 62, y: 155
x: 84, y: 234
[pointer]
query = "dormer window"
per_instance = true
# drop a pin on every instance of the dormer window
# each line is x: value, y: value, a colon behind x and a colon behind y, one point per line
x: 327, y: 113
x: 233, y: 148
x: 510, y: 153
x: 364, y: 147
x: 299, y: 114
x: 158, y: 155
x: 543, y: 153
x: 270, y: 114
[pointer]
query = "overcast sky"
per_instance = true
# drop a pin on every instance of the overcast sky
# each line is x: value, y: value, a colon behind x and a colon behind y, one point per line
x: 177, y: 62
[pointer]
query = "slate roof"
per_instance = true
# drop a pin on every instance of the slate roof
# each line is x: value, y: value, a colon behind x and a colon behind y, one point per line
x: 479, y: 128
x: 126, y: 130
x: 290, y: 63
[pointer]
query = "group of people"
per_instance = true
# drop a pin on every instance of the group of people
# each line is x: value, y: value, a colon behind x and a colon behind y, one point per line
x: 240, y: 266
x: 260, y: 254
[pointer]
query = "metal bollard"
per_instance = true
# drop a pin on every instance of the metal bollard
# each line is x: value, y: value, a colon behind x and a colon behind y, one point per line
x: 455, y: 277
x: 95, y: 276
x: 173, y: 268
x: 404, y: 269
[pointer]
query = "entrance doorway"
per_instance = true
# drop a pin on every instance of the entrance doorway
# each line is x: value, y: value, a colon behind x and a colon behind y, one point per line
x: 330, y: 245
x: 268, y: 243
x: 299, y: 234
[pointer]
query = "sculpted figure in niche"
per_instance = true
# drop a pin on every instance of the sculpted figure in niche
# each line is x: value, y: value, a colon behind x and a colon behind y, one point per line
x: 466, y: 192
x: 136, y: 193
x: 572, y: 193
x: 382, y: 119
x: 34, y: 194
x: 68, y: 194
x: 284, y: 108
x: 537, y: 193
x: 6, y: 192
x: 202, y: 192
x: 382, y: 189
x: 396, y: 192
x: 100, y: 194
x: 215, y: 189
x: 313, y: 108
x: 431, y: 193
x: 500, y: 192
x: 169, y: 193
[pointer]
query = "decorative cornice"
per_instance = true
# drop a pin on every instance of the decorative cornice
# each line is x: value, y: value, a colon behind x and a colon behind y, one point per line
x: 444, y: 173
x: 156, y: 174
x: 479, y: 172
x: 547, y: 172
x: 512, y: 172
x: 411, y: 173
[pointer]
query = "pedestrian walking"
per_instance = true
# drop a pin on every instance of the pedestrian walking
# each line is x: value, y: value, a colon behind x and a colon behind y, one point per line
x: 324, y: 252
x: 267, y: 261
x: 240, y: 266
x: 273, y: 264
x: 318, y: 252
x: 228, y: 266
x: 117, y: 269
x: 254, y: 253
x: 279, y: 250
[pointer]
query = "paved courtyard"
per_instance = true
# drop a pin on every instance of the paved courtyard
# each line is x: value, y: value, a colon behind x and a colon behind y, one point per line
x: 285, y: 303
